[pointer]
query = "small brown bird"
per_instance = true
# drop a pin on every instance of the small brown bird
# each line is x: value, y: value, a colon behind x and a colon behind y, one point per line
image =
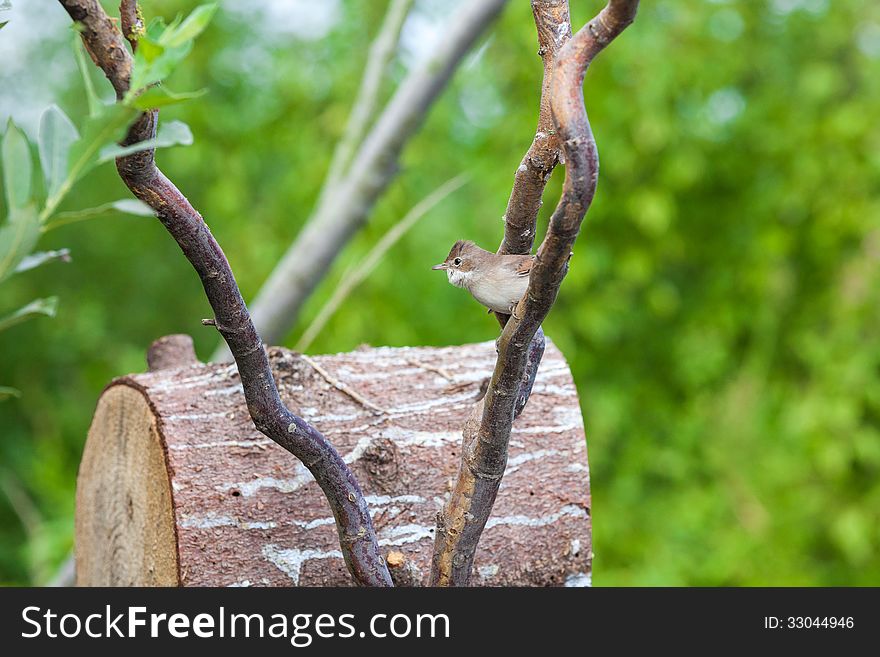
x: 496, y: 281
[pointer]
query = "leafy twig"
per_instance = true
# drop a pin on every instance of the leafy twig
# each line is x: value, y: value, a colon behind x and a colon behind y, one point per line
x: 47, y: 306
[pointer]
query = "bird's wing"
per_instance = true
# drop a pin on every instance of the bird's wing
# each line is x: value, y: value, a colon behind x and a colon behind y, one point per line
x: 517, y: 265
x: 524, y: 265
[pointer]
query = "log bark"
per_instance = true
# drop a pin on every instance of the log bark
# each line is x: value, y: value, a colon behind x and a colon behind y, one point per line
x: 177, y: 488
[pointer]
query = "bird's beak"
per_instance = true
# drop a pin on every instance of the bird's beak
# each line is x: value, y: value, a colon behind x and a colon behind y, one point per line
x: 440, y: 266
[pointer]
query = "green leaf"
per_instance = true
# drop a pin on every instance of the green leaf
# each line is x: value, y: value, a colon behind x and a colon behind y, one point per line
x: 159, y: 96
x: 2, y: 25
x: 105, y: 129
x: 57, y: 135
x: 17, y: 238
x: 172, y: 133
x: 157, y: 27
x: 47, y: 306
x: 5, y: 391
x: 34, y: 260
x: 16, y: 167
x: 85, y: 71
x: 133, y: 206
x: 190, y: 28
x: 163, y: 47
x: 147, y: 72
x: 108, y: 127
x: 149, y: 49
x: 126, y: 205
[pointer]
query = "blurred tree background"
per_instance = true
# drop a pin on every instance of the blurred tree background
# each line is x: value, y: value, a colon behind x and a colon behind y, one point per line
x: 722, y: 311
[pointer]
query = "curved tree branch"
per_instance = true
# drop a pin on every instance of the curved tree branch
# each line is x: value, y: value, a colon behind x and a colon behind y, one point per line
x: 102, y: 42
x: 520, y: 219
x: 139, y: 172
x: 131, y: 22
x: 487, y: 433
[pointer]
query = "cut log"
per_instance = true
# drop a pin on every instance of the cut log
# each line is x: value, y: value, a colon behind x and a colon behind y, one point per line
x: 177, y: 488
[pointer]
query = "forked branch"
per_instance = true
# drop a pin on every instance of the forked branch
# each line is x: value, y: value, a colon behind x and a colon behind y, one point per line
x: 139, y: 172
x: 487, y: 432
x: 521, y: 217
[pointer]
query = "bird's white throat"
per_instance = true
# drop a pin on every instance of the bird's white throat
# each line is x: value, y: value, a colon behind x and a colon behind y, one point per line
x: 457, y: 277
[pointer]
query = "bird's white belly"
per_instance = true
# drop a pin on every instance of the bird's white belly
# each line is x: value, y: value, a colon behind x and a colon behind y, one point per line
x: 501, y: 296
x: 496, y: 295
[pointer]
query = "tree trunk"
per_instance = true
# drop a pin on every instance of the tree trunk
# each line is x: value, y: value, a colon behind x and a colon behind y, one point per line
x: 177, y: 488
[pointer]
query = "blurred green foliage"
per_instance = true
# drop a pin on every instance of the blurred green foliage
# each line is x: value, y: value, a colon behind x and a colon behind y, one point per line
x: 721, y: 315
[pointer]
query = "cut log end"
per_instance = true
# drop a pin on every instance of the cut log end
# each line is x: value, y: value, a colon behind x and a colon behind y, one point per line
x: 125, y: 521
x: 176, y: 487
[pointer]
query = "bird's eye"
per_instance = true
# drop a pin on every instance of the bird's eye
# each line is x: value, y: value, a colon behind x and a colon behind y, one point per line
x: 457, y: 262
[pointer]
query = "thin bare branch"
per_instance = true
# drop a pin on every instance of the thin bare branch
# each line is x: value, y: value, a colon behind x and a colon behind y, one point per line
x: 357, y: 276
x: 139, y: 172
x: 344, y: 389
x: 521, y: 217
x: 364, y: 106
x: 430, y: 368
x: 487, y: 432
x: 132, y: 22
x: 553, y: 26
x: 343, y: 212
x: 102, y: 42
